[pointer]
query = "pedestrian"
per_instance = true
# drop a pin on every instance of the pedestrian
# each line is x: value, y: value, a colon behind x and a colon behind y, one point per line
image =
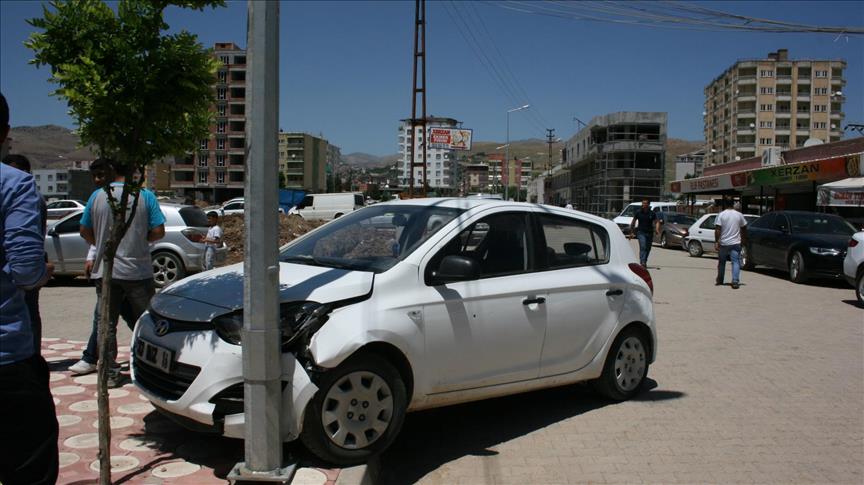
x: 29, y: 429
x: 213, y: 240
x: 133, y: 271
x: 31, y: 296
x: 568, y: 206
x: 730, y: 232
x: 644, y: 225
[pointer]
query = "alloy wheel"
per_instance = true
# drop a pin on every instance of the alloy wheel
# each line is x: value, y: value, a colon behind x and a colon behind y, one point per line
x: 861, y: 289
x: 630, y: 364
x: 357, y: 410
x: 695, y: 249
x: 795, y: 267
x: 164, y: 270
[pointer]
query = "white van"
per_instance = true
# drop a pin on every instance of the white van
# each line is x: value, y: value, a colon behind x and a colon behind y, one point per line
x: 624, y: 219
x: 328, y: 206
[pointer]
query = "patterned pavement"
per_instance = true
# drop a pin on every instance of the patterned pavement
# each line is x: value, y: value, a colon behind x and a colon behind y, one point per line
x: 146, y: 448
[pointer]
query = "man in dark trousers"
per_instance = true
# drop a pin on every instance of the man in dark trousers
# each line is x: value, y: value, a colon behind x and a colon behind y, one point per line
x: 644, y: 224
x: 29, y: 427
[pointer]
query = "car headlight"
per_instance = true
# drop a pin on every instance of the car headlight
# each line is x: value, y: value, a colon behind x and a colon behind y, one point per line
x: 291, y: 316
x: 825, y: 251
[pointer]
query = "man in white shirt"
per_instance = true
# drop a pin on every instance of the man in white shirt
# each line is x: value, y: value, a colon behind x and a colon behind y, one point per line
x: 729, y: 233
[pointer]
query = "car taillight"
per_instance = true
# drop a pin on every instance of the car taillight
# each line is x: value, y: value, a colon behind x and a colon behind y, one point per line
x: 853, y: 243
x: 193, y: 235
x: 644, y: 274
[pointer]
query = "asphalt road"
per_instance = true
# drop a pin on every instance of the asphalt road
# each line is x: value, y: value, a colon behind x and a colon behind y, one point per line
x: 757, y: 385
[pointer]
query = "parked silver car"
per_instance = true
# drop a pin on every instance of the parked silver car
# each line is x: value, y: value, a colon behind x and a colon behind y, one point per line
x: 179, y: 253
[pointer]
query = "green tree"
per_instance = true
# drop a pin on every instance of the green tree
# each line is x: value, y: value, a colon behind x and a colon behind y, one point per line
x: 137, y: 94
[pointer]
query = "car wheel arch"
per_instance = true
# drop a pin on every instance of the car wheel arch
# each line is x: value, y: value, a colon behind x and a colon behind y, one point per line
x: 642, y: 328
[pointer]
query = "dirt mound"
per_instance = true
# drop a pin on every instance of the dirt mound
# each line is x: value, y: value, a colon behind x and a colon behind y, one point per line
x: 233, y: 227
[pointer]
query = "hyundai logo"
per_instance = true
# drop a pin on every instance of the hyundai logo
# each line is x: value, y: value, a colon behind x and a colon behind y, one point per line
x: 162, y: 327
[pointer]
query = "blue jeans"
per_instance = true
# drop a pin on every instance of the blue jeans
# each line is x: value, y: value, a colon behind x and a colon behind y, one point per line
x: 209, y: 257
x: 732, y: 252
x: 645, y: 239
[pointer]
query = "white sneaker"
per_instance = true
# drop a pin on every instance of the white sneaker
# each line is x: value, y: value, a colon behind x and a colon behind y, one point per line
x: 82, y: 367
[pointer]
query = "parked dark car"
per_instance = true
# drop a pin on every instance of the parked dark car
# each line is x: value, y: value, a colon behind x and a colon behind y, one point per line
x: 807, y: 244
x: 673, y: 229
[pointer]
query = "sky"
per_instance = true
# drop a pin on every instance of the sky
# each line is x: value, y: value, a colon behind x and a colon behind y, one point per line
x: 345, y: 67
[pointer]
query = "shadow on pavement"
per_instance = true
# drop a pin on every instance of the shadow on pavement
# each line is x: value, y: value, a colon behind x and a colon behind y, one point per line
x: 68, y: 282
x: 838, y: 283
x: 434, y: 437
x: 853, y: 303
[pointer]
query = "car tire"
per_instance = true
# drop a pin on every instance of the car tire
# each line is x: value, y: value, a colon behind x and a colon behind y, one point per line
x: 859, y: 287
x: 694, y: 248
x: 664, y: 241
x: 747, y: 260
x: 167, y: 268
x: 338, y: 215
x: 333, y: 425
x: 626, y: 366
x: 797, y: 271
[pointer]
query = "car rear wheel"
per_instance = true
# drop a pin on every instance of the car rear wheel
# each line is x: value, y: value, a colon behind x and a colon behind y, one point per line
x: 167, y: 268
x: 357, y: 412
x: 859, y: 287
x: 626, y: 366
x: 746, y: 260
x: 796, y: 268
x: 695, y: 249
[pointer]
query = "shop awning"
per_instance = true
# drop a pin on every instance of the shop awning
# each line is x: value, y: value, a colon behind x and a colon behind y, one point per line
x: 842, y: 193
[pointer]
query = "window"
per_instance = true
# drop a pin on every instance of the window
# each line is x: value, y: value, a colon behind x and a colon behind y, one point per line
x: 50, y: 177
x: 709, y: 223
x: 71, y: 225
x: 820, y: 108
x: 220, y: 110
x: 766, y: 124
x: 820, y: 91
x: 220, y: 176
x: 766, y: 107
x: 202, y: 176
x: 766, y: 73
x: 819, y: 125
x: 221, y: 127
x: 766, y: 90
x: 766, y: 141
x: 221, y: 94
x: 37, y: 176
x: 203, y: 158
x: 821, y: 73
x: 571, y: 242
x: 223, y: 77
x: 50, y: 188
x: 220, y: 160
x: 203, y: 144
x: 764, y: 222
x: 234, y: 206
x: 225, y: 60
x: 220, y: 143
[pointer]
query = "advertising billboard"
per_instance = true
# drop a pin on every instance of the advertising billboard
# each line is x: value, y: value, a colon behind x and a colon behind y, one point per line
x: 450, y: 138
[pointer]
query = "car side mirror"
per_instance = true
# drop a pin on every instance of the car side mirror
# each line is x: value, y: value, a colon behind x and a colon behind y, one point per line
x: 52, y: 232
x: 456, y: 268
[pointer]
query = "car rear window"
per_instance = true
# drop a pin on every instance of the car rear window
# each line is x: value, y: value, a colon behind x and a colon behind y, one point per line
x: 193, y: 217
x: 359, y: 200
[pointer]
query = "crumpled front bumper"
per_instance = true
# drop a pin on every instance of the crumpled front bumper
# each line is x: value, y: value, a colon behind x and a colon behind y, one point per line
x: 205, y: 366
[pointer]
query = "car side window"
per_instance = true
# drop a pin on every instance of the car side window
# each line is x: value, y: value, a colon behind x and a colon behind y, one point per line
x: 233, y: 206
x: 500, y: 243
x: 709, y: 223
x: 71, y: 225
x: 306, y: 202
x: 780, y: 223
x: 572, y: 242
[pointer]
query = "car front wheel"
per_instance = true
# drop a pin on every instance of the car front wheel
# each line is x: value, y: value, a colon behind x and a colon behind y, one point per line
x: 626, y: 366
x: 357, y: 412
x: 664, y: 243
x: 695, y: 249
x: 167, y: 268
x: 796, y: 268
x: 859, y: 287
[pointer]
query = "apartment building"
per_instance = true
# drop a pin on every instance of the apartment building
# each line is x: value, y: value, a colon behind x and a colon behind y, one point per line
x: 52, y: 183
x: 689, y: 164
x: 614, y: 160
x: 215, y: 170
x: 775, y: 102
x: 440, y: 162
x: 303, y: 161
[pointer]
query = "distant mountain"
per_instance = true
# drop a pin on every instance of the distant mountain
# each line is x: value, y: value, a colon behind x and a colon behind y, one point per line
x: 366, y: 160
x: 48, y: 145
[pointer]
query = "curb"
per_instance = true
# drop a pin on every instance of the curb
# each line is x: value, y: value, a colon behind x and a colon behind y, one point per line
x: 366, y: 474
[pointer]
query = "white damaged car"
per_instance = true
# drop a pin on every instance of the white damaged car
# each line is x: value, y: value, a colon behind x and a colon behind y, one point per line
x: 409, y: 305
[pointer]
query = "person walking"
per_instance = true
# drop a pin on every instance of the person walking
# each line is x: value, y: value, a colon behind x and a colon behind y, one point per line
x: 730, y: 232
x: 133, y: 270
x: 29, y: 429
x: 644, y: 225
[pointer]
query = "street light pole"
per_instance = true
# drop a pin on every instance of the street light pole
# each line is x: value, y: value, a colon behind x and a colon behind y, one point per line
x: 507, y: 151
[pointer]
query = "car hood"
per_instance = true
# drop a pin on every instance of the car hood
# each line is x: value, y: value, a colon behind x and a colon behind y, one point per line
x: 679, y: 226
x: 202, y: 297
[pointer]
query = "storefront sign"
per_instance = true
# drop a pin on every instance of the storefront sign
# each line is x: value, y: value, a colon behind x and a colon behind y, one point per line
x: 716, y: 183
x: 804, y: 172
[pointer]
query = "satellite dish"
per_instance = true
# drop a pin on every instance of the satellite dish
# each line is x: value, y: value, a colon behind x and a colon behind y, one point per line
x: 813, y: 142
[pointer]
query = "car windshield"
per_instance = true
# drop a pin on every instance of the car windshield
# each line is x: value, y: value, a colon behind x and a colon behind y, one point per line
x: 370, y: 239
x: 629, y: 211
x: 820, y: 224
x: 673, y: 218
x: 193, y: 216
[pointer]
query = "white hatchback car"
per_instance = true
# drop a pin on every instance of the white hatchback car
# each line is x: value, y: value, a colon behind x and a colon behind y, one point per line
x: 700, y: 235
x: 409, y: 305
x: 853, y: 265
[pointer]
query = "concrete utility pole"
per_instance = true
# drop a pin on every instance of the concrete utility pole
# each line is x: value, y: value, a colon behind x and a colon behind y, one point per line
x: 507, y: 154
x: 262, y: 356
x: 418, y: 89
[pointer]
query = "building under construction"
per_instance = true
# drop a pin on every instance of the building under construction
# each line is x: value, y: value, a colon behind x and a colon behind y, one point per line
x: 616, y: 159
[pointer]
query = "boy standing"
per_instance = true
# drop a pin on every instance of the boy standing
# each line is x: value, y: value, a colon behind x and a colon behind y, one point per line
x: 212, y: 241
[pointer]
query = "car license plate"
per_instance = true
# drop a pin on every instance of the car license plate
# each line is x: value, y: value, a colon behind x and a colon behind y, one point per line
x: 157, y: 356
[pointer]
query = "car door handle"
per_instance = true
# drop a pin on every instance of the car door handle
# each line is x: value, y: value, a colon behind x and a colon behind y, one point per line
x: 531, y: 301
x: 615, y: 292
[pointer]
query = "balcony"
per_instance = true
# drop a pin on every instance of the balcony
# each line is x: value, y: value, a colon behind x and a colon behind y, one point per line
x: 746, y: 80
x: 745, y: 130
x: 802, y: 114
x: 804, y: 80
x: 784, y: 96
x: 749, y: 113
x: 837, y: 80
x: 747, y: 147
x: 836, y: 115
x: 783, y: 114
x: 782, y: 130
x: 744, y: 97
x: 803, y: 97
